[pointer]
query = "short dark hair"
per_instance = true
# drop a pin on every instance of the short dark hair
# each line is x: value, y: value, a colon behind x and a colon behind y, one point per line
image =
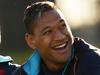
x: 34, y: 11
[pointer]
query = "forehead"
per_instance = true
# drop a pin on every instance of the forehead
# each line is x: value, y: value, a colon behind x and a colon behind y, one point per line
x: 51, y: 16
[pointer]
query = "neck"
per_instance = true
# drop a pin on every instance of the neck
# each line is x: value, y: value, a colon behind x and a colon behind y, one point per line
x: 54, y: 66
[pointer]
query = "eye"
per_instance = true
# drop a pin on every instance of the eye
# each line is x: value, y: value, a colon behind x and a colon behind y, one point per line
x: 63, y: 26
x: 46, y: 32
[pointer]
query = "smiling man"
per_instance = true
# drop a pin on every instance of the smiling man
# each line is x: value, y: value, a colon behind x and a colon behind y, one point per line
x: 56, y: 51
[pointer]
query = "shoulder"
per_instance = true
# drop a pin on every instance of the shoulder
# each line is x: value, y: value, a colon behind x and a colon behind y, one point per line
x: 19, y: 71
x: 89, y: 58
x: 86, y: 49
x: 89, y: 63
x: 6, y: 65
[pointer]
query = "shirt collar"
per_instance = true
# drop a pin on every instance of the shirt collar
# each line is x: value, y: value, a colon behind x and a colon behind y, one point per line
x: 32, y: 65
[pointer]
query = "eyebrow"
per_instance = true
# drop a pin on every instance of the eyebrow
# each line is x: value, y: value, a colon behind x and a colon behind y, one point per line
x: 47, y: 27
x: 60, y: 21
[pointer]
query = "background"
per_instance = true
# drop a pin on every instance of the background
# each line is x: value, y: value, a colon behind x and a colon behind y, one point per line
x: 83, y: 16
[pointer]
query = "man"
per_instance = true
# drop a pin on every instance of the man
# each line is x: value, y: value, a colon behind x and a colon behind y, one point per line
x: 6, y: 67
x: 56, y: 51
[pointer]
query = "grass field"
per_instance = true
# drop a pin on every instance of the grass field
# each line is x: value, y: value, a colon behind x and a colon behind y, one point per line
x: 19, y: 56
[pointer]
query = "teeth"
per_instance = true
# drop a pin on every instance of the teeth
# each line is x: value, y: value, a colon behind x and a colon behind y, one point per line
x: 60, y: 46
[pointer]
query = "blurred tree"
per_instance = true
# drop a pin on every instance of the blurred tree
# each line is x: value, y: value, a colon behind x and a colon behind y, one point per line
x: 11, y: 15
x: 11, y: 21
x: 11, y: 25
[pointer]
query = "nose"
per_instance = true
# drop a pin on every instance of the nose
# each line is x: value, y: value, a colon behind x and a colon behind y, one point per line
x: 59, y: 36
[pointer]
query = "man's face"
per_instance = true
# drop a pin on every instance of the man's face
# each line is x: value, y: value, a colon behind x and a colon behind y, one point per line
x: 53, y: 37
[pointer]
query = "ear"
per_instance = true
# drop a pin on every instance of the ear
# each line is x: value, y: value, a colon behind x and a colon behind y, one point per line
x: 30, y: 40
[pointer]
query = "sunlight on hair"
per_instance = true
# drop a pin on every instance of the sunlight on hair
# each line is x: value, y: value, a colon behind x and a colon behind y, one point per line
x: 79, y: 12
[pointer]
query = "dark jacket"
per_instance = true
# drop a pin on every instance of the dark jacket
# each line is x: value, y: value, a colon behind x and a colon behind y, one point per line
x: 6, y: 67
x: 86, y: 61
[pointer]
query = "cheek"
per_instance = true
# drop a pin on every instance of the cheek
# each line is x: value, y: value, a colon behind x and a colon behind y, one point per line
x: 68, y: 33
x: 44, y: 48
x: 43, y: 43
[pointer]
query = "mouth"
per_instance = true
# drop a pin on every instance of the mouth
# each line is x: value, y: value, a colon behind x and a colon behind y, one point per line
x: 61, y: 48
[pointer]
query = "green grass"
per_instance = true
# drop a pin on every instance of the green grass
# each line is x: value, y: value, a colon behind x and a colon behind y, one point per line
x: 19, y: 57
